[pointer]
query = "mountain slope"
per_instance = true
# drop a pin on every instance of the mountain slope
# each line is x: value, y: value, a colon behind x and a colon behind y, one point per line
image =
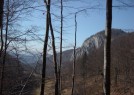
x: 91, y: 43
x: 96, y: 41
x: 15, y: 76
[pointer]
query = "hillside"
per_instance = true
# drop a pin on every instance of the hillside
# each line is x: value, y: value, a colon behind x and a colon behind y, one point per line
x: 16, y: 74
x: 93, y: 42
x: 96, y: 41
x: 89, y: 69
x: 122, y: 66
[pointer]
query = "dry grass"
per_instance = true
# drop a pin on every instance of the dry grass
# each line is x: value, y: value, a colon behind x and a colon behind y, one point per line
x: 93, y: 86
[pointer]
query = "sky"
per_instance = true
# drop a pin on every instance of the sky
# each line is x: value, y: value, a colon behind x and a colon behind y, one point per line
x: 89, y: 22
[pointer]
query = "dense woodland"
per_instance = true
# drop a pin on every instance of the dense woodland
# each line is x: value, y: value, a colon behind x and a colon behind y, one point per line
x: 103, y: 65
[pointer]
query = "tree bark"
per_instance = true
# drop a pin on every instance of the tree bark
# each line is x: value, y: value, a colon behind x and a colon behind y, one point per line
x: 1, y: 24
x: 54, y: 59
x: 1, y: 12
x: 61, y: 47
x: 107, y: 48
x: 45, y: 48
x: 5, y: 51
x: 73, y: 77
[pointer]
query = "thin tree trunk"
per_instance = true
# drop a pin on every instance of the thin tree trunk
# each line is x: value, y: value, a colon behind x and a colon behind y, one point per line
x: 45, y: 48
x: 116, y: 75
x: 73, y: 77
x: 1, y: 12
x: 107, y: 48
x: 54, y: 59
x: 1, y: 24
x: 61, y: 47
x: 5, y: 51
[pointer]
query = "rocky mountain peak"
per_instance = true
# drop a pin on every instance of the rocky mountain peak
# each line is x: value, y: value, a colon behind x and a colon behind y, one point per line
x: 96, y: 41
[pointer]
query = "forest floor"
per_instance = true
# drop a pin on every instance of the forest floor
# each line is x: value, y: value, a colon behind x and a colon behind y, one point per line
x: 89, y: 86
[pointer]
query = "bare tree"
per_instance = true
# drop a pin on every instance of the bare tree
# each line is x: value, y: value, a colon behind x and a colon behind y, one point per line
x: 12, y: 11
x: 30, y: 75
x: 107, y: 48
x: 17, y: 9
x: 1, y: 24
x: 1, y: 12
x: 61, y: 2
x: 74, y: 62
x: 45, y: 47
x: 54, y: 58
x: 5, y: 49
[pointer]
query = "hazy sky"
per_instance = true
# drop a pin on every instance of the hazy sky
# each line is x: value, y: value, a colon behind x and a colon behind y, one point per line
x: 89, y: 22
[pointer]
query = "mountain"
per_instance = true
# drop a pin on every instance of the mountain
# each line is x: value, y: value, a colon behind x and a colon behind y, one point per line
x: 90, y: 44
x: 66, y: 55
x: 89, y: 68
x: 20, y: 72
x: 96, y: 41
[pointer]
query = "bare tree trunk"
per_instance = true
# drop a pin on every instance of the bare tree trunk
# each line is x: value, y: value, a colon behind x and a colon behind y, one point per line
x: 1, y: 24
x: 54, y: 59
x: 1, y: 12
x: 5, y: 51
x: 73, y: 77
x: 45, y: 48
x: 116, y: 75
x: 107, y: 48
x: 61, y: 47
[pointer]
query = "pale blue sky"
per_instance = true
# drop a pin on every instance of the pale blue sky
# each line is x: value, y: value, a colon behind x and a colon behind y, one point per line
x: 89, y: 22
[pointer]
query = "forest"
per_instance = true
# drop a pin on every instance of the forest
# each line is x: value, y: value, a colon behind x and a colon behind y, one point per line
x: 66, y: 47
